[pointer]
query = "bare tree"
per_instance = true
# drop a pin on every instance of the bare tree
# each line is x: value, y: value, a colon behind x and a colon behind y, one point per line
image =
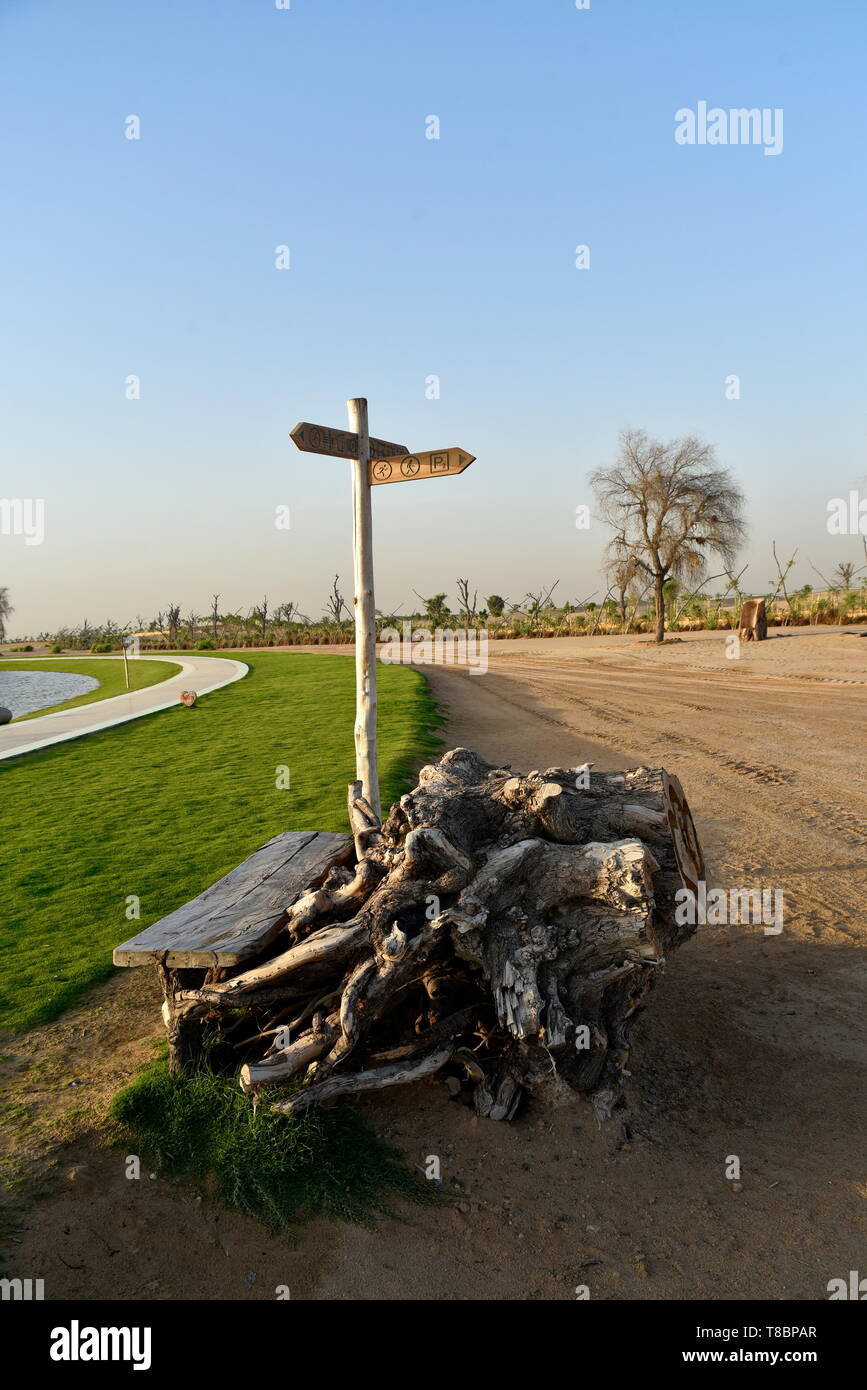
x: 782, y: 573
x: 622, y: 572
x: 638, y: 595
x: 733, y: 586
x: 215, y: 613
x: 537, y: 602
x: 844, y: 574
x: 671, y: 505
x: 335, y: 604
x: 260, y: 614
x: 173, y: 617
x: 467, y: 608
x: 598, y: 612
x: 6, y: 610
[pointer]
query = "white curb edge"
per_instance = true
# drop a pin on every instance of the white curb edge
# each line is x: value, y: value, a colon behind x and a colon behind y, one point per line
x: 241, y: 669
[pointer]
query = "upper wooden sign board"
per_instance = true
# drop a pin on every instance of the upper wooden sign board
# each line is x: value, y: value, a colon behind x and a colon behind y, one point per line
x: 342, y: 444
x: 434, y: 463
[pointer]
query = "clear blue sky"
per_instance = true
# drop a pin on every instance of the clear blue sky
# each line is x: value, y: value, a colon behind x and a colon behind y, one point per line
x: 412, y: 257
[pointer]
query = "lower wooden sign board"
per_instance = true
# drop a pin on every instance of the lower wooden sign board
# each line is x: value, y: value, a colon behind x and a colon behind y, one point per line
x: 408, y: 468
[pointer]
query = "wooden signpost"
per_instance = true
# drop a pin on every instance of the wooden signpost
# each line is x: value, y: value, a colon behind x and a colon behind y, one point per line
x: 373, y: 461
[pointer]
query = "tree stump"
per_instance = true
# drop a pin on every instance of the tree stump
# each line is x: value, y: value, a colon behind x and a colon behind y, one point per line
x: 505, y: 928
x: 754, y: 621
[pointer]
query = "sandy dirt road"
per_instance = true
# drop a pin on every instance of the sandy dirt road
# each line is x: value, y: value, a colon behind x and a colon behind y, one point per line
x: 752, y: 1046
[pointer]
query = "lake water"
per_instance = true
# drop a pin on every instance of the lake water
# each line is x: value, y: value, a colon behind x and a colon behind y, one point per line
x: 26, y: 691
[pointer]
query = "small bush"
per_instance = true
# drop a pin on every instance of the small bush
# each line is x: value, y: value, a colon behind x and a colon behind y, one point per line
x: 57, y: 647
x: 101, y: 647
x: 273, y: 1167
x: 206, y: 645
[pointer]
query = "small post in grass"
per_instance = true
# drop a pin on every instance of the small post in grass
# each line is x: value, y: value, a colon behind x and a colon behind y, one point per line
x: 125, y: 662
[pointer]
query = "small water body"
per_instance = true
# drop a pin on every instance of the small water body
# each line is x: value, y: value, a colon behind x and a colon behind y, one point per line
x: 26, y: 691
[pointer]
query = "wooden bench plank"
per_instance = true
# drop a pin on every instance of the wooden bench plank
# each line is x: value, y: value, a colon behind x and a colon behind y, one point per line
x: 237, y: 916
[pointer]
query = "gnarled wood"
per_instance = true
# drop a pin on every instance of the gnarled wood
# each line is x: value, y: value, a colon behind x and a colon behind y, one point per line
x: 378, y: 1079
x: 282, y: 1063
x: 505, y: 926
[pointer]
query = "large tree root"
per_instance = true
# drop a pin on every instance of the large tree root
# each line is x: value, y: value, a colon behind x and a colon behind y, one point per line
x: 506, y: 928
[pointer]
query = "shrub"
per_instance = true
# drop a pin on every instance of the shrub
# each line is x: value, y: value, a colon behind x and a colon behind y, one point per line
x: 57, y: 647
x: 271, y: 1167
x: 206, y: 645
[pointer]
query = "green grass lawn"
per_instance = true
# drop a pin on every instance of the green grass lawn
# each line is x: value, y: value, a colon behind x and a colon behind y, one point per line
x: 109, y: 673
x: 161, y: 807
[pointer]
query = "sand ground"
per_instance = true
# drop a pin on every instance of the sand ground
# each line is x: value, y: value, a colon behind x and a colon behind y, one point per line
x: 752, y: 1045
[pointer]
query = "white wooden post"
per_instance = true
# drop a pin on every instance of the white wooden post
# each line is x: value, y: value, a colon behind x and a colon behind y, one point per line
x: 125, y: 661
x: 365, y: 611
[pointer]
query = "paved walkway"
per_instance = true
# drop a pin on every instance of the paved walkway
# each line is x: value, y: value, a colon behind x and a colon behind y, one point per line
x: 198, y: 673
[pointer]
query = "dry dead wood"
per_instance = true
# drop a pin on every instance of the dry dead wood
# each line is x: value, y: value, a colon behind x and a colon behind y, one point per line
x: 504, y: 927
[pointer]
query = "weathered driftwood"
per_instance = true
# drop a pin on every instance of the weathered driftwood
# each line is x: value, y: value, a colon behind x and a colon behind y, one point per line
x: 504, y: 927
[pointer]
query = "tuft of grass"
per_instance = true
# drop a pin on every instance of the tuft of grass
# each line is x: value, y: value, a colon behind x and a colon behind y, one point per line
x: 278, y: 1169
x: 158, y: 809
x: 142, y: 673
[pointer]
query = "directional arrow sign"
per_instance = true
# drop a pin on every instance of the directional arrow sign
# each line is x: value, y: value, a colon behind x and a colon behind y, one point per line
x: 319, y: 439
x: 407, y: 468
